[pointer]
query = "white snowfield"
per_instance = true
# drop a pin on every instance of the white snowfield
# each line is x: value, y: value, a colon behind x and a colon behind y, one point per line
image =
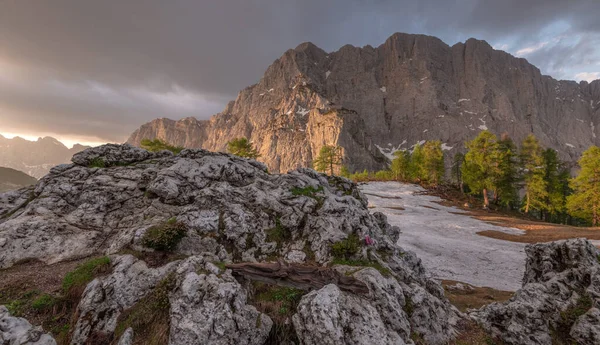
x: 446, y: 241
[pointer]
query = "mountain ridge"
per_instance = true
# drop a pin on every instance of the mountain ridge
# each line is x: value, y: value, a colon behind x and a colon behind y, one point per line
x: 35, y: 158
x: 375, y: 101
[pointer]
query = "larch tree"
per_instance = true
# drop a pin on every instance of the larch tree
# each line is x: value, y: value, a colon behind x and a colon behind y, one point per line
x: 432, y: 169
x: 329, y: 159
x: 535, y: 185
x: 401, y: 165
x: 242, y: 147
x: 480, y: 169
x: 416, y: 162
x: 508, y: 163
x: 585, y: 201
x: 557, y: 189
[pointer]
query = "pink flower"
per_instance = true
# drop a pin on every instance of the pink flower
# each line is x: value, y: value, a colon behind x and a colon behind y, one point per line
x: 368, y: 240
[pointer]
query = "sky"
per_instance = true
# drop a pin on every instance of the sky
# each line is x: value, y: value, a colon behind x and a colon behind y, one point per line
x: 94, y: 71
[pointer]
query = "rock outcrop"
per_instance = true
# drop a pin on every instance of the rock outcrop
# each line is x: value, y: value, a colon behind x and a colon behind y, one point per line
x: 16, y: 330
x: 560, y: 298
x: 233, y: 211
x: 375, y: 101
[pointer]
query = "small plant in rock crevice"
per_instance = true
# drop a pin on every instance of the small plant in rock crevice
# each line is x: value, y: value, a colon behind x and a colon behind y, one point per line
x: 278, y: 234
x: 149, y: 318
x: 347, y: 248
x: 166, y: 236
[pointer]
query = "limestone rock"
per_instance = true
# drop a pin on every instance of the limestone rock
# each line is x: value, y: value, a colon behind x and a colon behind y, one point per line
x: 229, y: 204
x: 390, y: 314
x: 211, y: 309
x: 105, y: 298
x: 373, y: 101
x: 16, y: 330
x: 562, y: 279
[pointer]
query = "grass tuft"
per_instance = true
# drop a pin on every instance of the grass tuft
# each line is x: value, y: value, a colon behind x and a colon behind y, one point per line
x: 165, y: 237
x: 97, y: 162
x: 85, y: 273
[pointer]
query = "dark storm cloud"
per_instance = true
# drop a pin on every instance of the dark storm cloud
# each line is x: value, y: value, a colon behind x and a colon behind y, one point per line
x: 101, y: 68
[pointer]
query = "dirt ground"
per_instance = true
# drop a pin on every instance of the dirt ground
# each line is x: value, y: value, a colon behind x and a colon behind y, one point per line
x: 464, y: 296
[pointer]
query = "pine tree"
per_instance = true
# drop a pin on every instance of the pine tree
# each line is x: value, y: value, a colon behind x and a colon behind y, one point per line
x: 401, y: 165
x: 481, y: 169
x: 585, y: 201
x: 432, y: 168
x: 157, y: 145
x: 506, y: 186
x: 533, y: 174
x: 329, y: 158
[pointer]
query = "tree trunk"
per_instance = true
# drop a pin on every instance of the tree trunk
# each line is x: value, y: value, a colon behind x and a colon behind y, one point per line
x: 486, y: 200
x: 527, y: 204
x: 298, y: 276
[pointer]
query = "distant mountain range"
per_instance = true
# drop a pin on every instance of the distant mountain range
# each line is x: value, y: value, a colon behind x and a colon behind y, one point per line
x: 35, y: 158
x: 11, y: 179
x: 375, y: 101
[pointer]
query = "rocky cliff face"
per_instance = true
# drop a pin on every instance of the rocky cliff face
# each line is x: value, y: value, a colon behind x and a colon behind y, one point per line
x: 375, y: 101
x: 35, y: 158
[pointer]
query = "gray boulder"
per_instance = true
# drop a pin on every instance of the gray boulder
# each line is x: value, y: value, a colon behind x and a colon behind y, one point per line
x: 16, y: 330
x: 559, y: 298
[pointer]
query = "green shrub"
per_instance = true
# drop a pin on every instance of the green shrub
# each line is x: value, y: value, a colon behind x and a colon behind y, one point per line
x: 347, y: 248
x: 97, y: 162
x: 165, y: 237
x: 85, y: 273
x: 157, y: 145
x: 308, y: 191
x: 43, y: 302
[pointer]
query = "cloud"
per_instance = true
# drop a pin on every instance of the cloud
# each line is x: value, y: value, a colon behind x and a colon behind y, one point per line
x: 101, y: 68
x: 587, y: 76
x: 528, y: 50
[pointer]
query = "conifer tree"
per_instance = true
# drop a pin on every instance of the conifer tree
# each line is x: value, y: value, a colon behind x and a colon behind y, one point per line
x: 533, y: 174
x: 329, y: 159
x: 432, y: 168
x: 415, y: 171
x: 401, y: 165
x: 481, y: 169
x: 556, y: 177
x: 585, y: 201
x: 242, y: 147
x: 506, y: 186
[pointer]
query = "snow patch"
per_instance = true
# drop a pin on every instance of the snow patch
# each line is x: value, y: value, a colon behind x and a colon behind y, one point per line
x: 593, y: 129
x: 569, y: 145
x: 445, y: 147
x: 440, y: 116
x: 580, y: 120
x: 470, y: 112
x: 425, y: 131
x: 327, y: 74
x: 270, y: 90
x: 464, y: 100
x: 302, y: 111
x: 389, y: 151
x: 483, y: 127
x: 446, y: 240
x: 383, y: 89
